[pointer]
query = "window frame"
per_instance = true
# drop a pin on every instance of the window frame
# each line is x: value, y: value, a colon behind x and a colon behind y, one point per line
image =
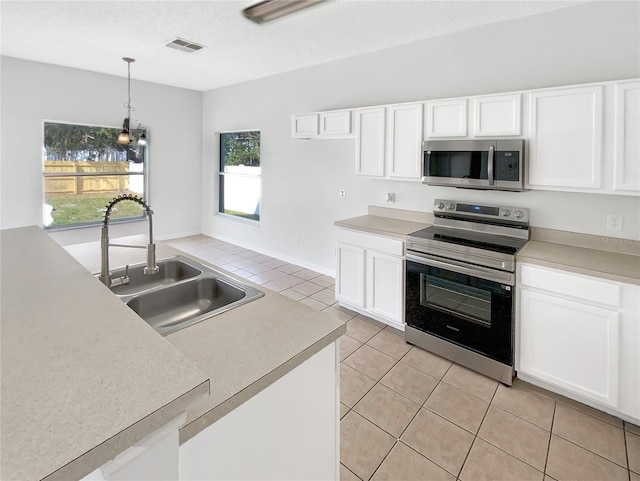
x: 81, y: 225
x: 222, y: 175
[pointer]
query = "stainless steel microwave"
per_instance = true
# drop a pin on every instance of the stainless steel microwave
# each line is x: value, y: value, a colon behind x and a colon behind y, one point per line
x: 474, y: 164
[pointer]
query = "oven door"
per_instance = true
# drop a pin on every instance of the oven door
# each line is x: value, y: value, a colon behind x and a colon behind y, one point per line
x: 468, y: 305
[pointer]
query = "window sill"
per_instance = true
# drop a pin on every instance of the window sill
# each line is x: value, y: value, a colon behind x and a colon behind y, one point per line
x: 254, y: 223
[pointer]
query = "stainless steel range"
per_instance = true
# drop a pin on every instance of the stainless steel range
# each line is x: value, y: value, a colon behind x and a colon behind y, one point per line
x: 460, y: 279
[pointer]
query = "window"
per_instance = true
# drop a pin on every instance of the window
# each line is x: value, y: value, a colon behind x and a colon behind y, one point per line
x: 240, y: 174
x: 84, y: 168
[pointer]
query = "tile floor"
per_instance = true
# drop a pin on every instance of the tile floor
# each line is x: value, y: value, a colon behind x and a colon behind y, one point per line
x: 407, y: 414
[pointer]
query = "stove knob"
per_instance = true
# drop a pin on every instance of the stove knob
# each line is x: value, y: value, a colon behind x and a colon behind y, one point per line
x: 518, y: 214
x: 441, y: 206
x: 505, y: 212
x: 450, y: 206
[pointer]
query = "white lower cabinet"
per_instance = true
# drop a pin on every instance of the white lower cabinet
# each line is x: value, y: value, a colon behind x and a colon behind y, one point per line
x: 370, y: 275
x: 579, y: 335
x: 288, y: 431
x: 384, y: 285
x: 155, y: 458
x: 350, y: 287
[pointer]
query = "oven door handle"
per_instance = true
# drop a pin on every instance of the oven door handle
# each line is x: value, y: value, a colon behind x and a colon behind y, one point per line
x: 461, y: 268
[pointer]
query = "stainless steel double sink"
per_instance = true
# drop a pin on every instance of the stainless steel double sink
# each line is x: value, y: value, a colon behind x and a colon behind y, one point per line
x: 181, y: 294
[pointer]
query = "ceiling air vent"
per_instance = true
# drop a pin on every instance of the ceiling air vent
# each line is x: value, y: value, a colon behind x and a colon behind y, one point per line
x: 184, y: 45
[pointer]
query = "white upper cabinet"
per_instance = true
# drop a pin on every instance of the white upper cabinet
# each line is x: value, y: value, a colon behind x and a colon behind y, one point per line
x: 371, y: 130
x: 497, y: 116
x: 626, y: 145
x: 322, y: 125
x: 446, y: 118
x: 579, y: 138
x: 335, y: 123
x: 389, y: 142
x: 405, y: 141
x: 304, y: 126
x: 565, y: 147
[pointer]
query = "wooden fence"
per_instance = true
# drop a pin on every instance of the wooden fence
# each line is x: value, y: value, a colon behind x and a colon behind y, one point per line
x: 98, y: 184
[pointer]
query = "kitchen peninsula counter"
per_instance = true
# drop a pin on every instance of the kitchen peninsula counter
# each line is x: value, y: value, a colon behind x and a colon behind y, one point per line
x: 242, y: 350
x: 83, y: 377
x: 81, y: 371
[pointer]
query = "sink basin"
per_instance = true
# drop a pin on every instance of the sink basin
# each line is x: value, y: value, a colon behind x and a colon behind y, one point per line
x: 172, y: 270
x: 181, y: 294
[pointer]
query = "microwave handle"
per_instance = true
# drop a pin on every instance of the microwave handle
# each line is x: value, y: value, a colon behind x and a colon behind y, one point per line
x: 490, y: 164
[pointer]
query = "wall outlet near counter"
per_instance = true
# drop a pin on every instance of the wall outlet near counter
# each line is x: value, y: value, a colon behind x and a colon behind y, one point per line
x: 614, y: 222
x: 343, y: 193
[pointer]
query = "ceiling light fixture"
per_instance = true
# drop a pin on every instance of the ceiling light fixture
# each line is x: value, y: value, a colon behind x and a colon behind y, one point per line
x: 271, y: 9
x: 125, y: 136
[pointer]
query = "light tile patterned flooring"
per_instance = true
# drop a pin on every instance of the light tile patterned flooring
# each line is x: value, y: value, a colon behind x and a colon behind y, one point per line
x: 407, y: 414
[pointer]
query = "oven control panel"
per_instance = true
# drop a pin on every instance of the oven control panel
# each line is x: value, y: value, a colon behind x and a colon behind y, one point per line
x: 495, y: 212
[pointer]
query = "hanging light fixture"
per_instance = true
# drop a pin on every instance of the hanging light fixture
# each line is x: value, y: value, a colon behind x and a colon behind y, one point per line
x: 125, y: 135
x: 142, y: 140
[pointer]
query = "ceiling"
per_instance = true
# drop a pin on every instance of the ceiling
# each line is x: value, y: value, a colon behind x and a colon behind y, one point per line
x: 95, y: 35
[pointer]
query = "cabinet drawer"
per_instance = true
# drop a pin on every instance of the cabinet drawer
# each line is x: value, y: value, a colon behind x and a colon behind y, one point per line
x: 371, y: 241
x: 573, y: 285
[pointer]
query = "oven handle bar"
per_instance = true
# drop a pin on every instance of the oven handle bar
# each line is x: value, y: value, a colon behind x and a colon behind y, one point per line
x: 462, y: 268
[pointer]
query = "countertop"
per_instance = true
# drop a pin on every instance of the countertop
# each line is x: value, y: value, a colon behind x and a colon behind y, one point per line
x: 83, y: 377
x: 600, y: 263
x: 387, y: 226
x: 598, y: 257
x: 82, y: 383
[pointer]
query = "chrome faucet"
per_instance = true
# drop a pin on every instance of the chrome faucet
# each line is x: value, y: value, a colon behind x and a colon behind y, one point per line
x: 151, y: 268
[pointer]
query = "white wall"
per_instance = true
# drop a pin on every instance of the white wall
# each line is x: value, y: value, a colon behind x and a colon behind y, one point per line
x: 588, y: 43
x: 33, y: 92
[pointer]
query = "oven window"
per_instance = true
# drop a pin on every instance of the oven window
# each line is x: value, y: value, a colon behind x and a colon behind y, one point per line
x: 468, y: 302
x: 458, y: 165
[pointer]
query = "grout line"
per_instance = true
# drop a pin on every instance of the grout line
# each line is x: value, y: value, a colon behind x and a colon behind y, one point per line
x: 553, y: 419
x: 626, y: 452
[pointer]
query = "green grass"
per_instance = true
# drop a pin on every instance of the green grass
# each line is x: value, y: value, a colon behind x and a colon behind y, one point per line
x: 82, y: 209
x: 244, y: 215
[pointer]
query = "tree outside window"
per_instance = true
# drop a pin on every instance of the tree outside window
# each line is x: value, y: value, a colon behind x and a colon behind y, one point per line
x: 83, y: 169
x: 239, y: 179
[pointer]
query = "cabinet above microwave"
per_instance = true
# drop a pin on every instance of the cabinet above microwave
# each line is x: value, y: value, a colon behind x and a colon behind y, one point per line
x: 474, y: 164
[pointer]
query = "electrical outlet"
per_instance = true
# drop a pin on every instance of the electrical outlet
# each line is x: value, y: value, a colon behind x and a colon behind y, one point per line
x: 614, y: 222
x: 343, y: 193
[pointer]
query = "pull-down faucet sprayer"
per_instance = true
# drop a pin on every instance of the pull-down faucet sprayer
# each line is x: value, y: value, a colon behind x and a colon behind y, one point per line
x: 151, y: 268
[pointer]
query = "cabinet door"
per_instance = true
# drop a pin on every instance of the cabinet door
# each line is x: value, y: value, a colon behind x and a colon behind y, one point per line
x: 350, y: 275
x: 288, y: 431
x: 447, y: 118
x: 304, y: 126
x: 370, y: 142
x: 405, y: 141
x: 571, y: 345
x: 385, y: 281
x: 335, y: 123
x: 565, y: 150
x: 497, y: 116
x: 627, y: 137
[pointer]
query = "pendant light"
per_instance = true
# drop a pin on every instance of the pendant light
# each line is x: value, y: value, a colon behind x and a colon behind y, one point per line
x: 125, y: 136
